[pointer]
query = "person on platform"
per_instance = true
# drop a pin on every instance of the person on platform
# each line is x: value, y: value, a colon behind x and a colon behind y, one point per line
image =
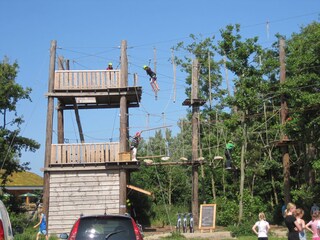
x: 134, y: 145
x: 110, y: 67
x: 228, y: 154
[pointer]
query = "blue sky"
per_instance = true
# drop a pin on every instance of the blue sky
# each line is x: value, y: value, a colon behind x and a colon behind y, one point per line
x: 89, y: 33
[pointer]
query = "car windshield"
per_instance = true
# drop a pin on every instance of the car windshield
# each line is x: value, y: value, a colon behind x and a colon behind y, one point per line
x: 106, y: 227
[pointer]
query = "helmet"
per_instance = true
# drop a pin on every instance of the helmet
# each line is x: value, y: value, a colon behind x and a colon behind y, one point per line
x: 145, y: 67
x: 138, y: 133
x: 110, y: 63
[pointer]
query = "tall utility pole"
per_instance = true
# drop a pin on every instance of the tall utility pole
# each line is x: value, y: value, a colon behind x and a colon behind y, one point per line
x: 195, y: 141
x: 284, y: 115
x: 195, y: 103
x: 123, y: 126
x: 49, y: 127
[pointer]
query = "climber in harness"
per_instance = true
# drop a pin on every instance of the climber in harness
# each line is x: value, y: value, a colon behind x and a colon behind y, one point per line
x: 228, y: 154
x: 134, y: 145
x: 153, y: 78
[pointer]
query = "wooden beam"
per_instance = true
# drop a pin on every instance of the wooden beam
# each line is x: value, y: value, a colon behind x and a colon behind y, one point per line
x: 155, y: 156
x: 49, y: 128
x: 139, y: 190
x: 76, y: 112
x: 187, y: 163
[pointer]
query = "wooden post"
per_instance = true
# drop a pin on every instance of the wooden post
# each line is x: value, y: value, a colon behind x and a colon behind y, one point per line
x: 124, y: 65
x: 123, y: 126
x: 76, y: 112
x: 60, y: 120
x: 195, y: 141
x: 135, y: 79
x: 284, y: 114
x: 49, y: 128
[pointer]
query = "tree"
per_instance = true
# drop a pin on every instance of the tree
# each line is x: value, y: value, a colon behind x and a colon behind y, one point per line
x: 11, y: 142
x: 302, y: 91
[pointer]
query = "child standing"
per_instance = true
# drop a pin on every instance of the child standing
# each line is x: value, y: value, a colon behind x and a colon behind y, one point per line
x: 263, y: 227
x: 299, y: 215
x: 312, y: 226
x: 42, y: 224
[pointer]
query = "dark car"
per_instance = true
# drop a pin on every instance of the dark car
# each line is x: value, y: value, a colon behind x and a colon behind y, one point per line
x: 104, y: 227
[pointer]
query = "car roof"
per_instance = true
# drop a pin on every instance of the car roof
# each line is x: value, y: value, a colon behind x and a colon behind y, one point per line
x: 106, y: 216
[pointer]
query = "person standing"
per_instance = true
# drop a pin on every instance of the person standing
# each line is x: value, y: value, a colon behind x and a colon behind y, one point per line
x: 227, y: 153
x: 299, y: 216
x: 110, y: 67
x: 313, y: 226
x: 263, y: 227
x: 42, y: 224
x: 134, y: 145
x: 314, y: 209
x: 291, y: 222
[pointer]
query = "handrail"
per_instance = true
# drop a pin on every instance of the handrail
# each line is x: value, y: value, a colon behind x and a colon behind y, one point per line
x: 86, y: 79
x: 84, y: 153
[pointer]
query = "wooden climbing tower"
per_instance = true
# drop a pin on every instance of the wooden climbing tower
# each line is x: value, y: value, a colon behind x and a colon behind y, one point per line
x: 86, y: 178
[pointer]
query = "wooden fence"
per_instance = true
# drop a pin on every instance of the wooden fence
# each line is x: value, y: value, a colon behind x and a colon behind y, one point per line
x: 86, y: 80
x: 84, y: 153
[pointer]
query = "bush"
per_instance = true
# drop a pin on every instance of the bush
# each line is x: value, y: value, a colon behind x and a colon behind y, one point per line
x: 21, y: 222
x: 243, y: 229
x: 166, y: 215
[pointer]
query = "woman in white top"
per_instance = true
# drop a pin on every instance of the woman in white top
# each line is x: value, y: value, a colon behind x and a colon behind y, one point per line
x: 263, y: 227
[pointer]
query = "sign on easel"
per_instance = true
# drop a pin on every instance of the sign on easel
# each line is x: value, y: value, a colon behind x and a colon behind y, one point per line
x: 207, y: 219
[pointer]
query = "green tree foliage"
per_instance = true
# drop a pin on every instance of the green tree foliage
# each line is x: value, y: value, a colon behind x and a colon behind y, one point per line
x: 12, y: 144
x: 250, y: 117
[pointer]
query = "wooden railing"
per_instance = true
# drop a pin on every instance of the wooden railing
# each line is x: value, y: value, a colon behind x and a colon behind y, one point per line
x: 86, y: 80
x: 84, y: 153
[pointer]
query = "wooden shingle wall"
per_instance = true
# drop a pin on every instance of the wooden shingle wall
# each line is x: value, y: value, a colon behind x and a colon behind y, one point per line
x: 81, y: 192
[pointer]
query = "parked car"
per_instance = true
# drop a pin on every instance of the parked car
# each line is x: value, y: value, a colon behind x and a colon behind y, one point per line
x: 5, y: 224
x: 104, y: 227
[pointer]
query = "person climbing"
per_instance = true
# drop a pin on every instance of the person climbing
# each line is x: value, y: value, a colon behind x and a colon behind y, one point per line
x: 153, y: 78
x: 134, y: 145
x: 110, y: 67
x: 227, y: 153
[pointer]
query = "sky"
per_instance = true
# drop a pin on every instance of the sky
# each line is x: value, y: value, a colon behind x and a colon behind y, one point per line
x: 89, y: 33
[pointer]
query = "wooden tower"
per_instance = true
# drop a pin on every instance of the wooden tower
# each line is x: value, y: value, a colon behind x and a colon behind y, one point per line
x: 86, y: 178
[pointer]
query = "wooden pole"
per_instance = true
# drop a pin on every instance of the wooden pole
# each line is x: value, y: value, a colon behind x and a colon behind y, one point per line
x: 60, y: 116
x: 195, y: 141
x: 49, y: 128
x: 123, y: 126
x: 284, y: 114
x: 76, y: 112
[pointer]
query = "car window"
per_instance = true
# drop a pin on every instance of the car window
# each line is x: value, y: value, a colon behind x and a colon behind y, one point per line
x: 111, y: 228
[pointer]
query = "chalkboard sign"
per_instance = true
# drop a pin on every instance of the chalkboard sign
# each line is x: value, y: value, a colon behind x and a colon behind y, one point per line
x: 207, y: 216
